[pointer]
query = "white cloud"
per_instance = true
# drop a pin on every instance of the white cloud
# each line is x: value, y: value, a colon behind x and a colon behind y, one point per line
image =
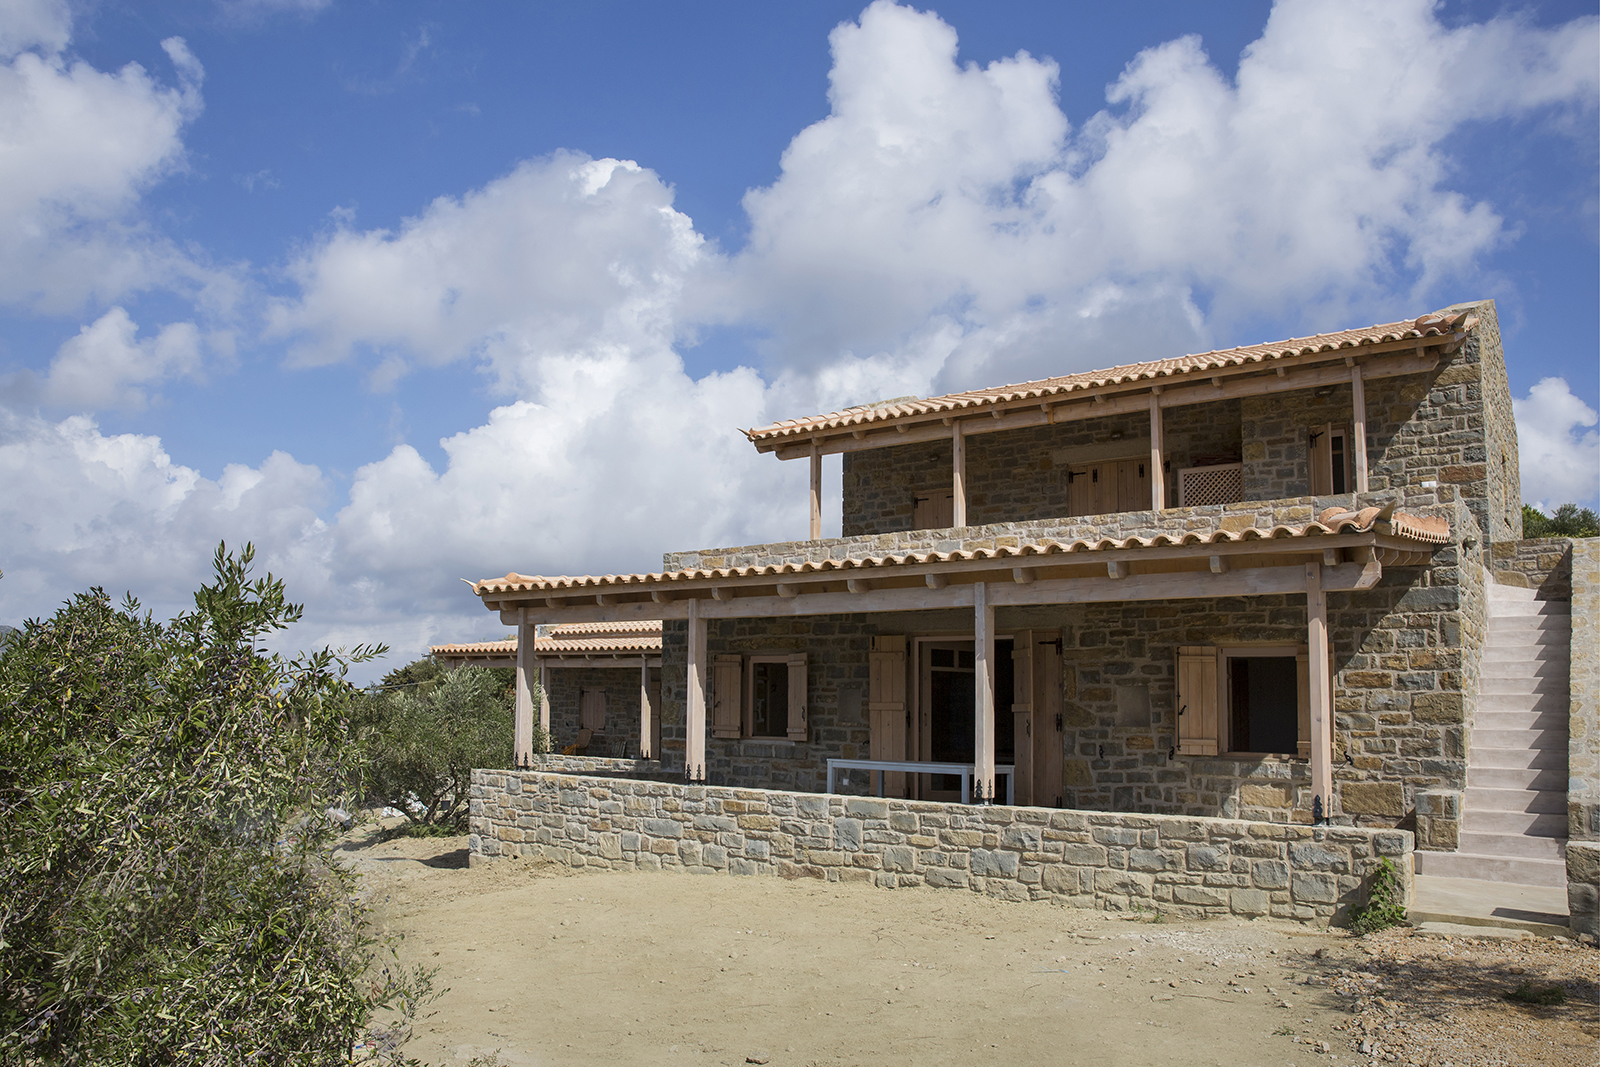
x: 257, y: 10
x: 1560, y: 460
x: 78, y: 149
x: 107, y: 366
x: 43, y: 24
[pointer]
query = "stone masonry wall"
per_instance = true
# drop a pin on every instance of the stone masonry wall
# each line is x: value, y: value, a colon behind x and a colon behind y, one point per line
x: 1184, y: 866
x: 621, y: 735
x: 1402, y: 684
x: 1021, y: 475
x: 1542, y: 563
x: 1583, y: 745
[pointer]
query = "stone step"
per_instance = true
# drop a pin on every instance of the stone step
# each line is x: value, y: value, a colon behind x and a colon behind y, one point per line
x: 1518, y: 759
x: 1488, y: 868
x: 1549, y: 738
x: 1478, y: 798
x: 1512, y: 846
x: 1534, y: 777
x: 1502, y: 609
x: 1527, y: 702
x: 1492, y: 685
x: 1533, y: 659
x: 1553, y: 718
x: 1524, y: 823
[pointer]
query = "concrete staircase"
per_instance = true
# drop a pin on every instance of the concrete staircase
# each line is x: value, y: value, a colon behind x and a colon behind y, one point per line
x: 1513, y: 814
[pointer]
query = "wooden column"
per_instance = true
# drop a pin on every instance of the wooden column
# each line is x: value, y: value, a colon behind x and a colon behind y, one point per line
x: 646, y: 749
x: 816, y: 492
x: 1321, y: 689
x: 983, y: 682
x: 958, y: 474
x: 1158, y: 481
x: 1358, y: 404
x: 694, y: 741
x: 522, y: 733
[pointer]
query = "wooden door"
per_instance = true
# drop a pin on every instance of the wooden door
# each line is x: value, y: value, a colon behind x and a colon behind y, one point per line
x: 886, y: 706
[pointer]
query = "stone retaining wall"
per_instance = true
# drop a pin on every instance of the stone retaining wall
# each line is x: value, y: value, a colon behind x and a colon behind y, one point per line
x: 1583, y: 725
x: 605, y: 767
x: 1542, y: 563
x: 1185, y: 866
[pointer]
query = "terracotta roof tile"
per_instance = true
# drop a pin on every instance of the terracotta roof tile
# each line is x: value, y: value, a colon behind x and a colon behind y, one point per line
x: 581, y: 638
x: 1436, y: 325
x: 1424, y: 531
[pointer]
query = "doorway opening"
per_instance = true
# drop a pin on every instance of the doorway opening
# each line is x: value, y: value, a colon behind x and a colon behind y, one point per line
x: 946, y: 670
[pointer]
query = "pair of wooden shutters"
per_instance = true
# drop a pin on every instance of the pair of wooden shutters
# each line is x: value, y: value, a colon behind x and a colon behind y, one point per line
x: 1036, y: 710
x: 728, y: 711
x: 1109, y: 486
x: 1201, y: 695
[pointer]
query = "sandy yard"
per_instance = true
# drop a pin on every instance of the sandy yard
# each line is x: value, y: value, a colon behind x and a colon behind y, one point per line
x: 549, y: 966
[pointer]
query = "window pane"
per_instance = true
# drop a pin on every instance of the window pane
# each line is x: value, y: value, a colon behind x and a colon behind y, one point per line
x: 770, y: 699
x: 1337, y: 451
x: 1264, y: 697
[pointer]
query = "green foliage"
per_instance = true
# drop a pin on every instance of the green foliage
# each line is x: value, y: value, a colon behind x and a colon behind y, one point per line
x: 1569, y: 520
x: 168, y: 895
x: 1383, y: 908
x: 425, y: 728
x: 1544, y: 996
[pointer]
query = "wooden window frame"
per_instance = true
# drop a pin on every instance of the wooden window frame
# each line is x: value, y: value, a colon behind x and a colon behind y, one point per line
x: 748, y: 718
x: 1302, y: 657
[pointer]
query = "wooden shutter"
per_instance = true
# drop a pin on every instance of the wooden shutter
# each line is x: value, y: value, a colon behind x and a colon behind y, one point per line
x: 886, y: 706
x: 592, y: 710
x: 797, y: 697
x: 1302, y: 661
x: 935, y: 510
x: 727, y: 687
x: 1022, y: 714
x: 1133, y: 485
x: 1197, y: 700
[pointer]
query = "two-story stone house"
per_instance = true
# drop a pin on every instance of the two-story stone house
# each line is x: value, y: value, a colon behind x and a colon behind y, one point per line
x: 1249, y: 583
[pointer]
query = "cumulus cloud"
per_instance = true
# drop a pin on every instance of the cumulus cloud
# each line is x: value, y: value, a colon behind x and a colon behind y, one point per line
x: 1560, y: 459
x: 106, y: 366
x: 78, y: 149
x: 946, y: 225
x: 43, y: 24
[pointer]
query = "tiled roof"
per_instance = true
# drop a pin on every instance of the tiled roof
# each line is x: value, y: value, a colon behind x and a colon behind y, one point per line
x: 1436, y: 325
x: 1424, y: 531
x: 577, y: 638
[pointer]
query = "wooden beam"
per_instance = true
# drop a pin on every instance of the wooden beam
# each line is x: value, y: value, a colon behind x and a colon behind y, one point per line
x: 601, y: 663
x: 1219, y: 564
x: 935, y: 581
x: 522, y: 731
x: 1358, y: 403
x: 1169, y: 585
x: 816, y: 492
x: 859, y: 585
x: 1251, y: 380
x: 958, y: 467
x: 661, y: 596
x: 1158, y: 480
x: 983, y: 683
x: 1024, y: 575
x: 1117, y: 568
x: 1321, y: 688
x: 694, y: 759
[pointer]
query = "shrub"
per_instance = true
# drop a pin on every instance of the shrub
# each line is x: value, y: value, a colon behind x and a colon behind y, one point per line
x: 164, y: 856
x: 1383, y: 908
x: 1543, y: 996
x: 425, y: 728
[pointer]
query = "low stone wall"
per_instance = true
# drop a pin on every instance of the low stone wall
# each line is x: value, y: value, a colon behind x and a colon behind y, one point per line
x: 1583, y: 886
x: 1105, y: 860
x: 1542, y: 563
x: 1583, y: 725
x: 603, y: 767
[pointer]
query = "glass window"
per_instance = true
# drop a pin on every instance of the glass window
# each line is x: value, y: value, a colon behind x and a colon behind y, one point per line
x: 769, y: 699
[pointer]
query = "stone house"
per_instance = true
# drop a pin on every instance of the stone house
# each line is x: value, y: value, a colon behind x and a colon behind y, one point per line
x: 1254, y: 584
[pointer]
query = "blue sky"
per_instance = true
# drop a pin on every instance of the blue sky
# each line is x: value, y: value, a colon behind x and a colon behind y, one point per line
x: 406, y: 292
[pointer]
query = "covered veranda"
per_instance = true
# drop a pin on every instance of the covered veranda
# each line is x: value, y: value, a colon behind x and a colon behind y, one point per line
x: 1339, y: 550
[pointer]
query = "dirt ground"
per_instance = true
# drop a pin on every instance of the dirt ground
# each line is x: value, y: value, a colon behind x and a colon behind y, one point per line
x: 553, y: 967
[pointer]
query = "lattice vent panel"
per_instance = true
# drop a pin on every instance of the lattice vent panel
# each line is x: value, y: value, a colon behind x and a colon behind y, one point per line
x: 1222, y: 484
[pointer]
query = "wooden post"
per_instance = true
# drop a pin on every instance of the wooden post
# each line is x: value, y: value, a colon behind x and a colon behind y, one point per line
x: 983, y: 681
x: 816, y: 492
x: 694, y: 741
x: 646, y: 750
x: 1158, y: 481
x: 1321, y: 689
x: 1358, y: 403
x: 958, y: 474
x: 522, y: 733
